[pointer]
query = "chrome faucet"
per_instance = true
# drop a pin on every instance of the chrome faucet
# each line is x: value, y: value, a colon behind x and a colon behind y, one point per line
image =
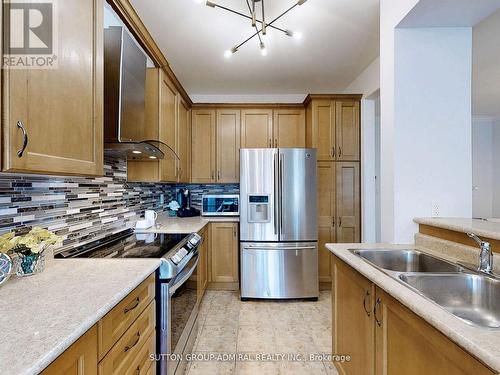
x: 485, y: 256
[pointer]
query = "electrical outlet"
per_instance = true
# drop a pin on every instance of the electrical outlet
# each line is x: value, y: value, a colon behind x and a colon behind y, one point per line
x: 435, y: 209
x: 162, y: 199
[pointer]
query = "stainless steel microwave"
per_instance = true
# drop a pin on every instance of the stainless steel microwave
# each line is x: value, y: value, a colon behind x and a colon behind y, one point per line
x: 220, y: 205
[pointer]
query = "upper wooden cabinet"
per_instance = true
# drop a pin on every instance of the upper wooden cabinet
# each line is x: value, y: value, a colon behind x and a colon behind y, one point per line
x: 184, y: 142
x: 333, y: 127
x: 228, y: 145
x: 203, y: 161
x: 347, y: 130
x: 289, y: 128
x: 61, y: 110
x: 168, y: 119
x: 257, y: 128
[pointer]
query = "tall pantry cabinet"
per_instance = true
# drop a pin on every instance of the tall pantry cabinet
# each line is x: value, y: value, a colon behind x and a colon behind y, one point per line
x: 333, y: 127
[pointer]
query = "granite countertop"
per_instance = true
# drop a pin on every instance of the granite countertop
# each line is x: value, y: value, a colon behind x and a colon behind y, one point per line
x: 488, y: 228
x: 42, y: 315
x: 482, y: 343
x: 186, y: 225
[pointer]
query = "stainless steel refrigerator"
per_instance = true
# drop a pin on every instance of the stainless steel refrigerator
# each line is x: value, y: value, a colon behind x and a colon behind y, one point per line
x: 278, y: 230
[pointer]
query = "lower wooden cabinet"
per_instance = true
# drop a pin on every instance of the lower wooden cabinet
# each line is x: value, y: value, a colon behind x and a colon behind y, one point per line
x: 79, y: 359
x: 383, y: 337
x: 120, y: 343
x: 223, y: 261
x: 202, y: 269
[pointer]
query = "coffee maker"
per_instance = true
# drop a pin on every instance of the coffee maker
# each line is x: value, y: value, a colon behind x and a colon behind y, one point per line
x: 184, y: 200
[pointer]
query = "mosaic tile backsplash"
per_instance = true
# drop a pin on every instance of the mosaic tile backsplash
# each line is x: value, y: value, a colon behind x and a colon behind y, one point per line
x: 84, y: 209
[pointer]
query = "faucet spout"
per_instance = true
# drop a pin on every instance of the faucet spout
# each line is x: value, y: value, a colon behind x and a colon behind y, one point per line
x: 485, y: 255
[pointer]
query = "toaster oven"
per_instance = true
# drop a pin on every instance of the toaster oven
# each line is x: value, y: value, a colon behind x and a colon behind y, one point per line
x: 220, y: 205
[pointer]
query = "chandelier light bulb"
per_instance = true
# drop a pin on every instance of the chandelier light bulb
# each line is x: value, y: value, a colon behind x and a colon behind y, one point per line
x: 297, y: 35
x: 263, y: 49
x: 228, y: 54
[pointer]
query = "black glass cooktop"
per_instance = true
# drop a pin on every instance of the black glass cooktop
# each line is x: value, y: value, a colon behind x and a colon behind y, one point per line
x: 126, y: 244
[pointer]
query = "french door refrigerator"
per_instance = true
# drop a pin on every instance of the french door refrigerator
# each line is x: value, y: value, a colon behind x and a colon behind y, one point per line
x: 278, y: 230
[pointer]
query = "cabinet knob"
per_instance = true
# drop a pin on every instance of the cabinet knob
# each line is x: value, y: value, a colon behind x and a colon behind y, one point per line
x: 340, y: 221
x: 20, y: 153
x: 377, y: 303
x: 367, y: 311
x: 270, y: 143
x: 218, y: 175
x: 340, y: 152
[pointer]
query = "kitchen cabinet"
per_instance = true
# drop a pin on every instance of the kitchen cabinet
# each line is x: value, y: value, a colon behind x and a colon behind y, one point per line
x: 60, y: 110
x: 228, y: 145
x: 289, y: 128
x: 168, y: 128
x: 79, y: 359
x: 184, y: 142
x: 203, y: 161
x: 202, y: 270
x: 224, y: 254
x: 333, y: 126
x: 348, y: 202
x: 257, y: 128
x: 168, y: 120
x: 389, y: 338
x: 352, y: 305
x: 347, y: 127
x: 326, y: 197
x: 120, y: 343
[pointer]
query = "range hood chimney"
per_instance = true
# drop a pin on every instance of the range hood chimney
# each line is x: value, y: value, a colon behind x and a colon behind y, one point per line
x: 125, y: 130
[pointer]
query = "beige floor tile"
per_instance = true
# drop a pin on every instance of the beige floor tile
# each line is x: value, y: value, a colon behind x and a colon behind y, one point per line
x: 322, y: 337
x: 294, y: 340
x: 222, y: 316
x: 330, y: 368
x: 302, y: 368
x: 257, y: 368
x: 211, y: 368
x: 217, y: 339
x: 256, y: 339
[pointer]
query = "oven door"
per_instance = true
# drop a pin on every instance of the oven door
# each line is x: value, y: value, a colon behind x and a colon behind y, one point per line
x: 183, y: 301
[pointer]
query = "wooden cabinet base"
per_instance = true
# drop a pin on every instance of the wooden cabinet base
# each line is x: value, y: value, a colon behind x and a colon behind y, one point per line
x: 223, y: 286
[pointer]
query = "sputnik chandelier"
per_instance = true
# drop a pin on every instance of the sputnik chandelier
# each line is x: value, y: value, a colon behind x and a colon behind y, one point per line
x: 259, y: 25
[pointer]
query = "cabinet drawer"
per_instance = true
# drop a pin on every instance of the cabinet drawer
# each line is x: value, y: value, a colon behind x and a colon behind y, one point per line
x: 118, y: 320
x: 142, y: 363
x: 124, y: 354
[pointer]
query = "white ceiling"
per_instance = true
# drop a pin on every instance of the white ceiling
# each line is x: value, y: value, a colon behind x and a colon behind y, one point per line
x: 486, y: 67
x: 449, y: 13
x: 340, y: 39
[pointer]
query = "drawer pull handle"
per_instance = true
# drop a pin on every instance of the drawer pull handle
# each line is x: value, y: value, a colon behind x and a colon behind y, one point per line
x: 20, y: 153
x: 128, y: 309
x: 138, y: 370
x: 128, y: 347
x: 367, y: 311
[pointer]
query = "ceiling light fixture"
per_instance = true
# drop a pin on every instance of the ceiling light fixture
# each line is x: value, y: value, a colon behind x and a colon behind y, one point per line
x: 259, y: 32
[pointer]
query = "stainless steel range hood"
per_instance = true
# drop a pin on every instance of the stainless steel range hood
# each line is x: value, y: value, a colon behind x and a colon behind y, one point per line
x: 126, y: 133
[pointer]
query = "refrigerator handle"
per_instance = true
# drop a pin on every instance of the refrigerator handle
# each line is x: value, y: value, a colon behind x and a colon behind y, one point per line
x: 276, y: 192
x: 281, y: 162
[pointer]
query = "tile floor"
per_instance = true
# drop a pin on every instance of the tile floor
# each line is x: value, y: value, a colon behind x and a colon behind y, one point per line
x: 254, y: 328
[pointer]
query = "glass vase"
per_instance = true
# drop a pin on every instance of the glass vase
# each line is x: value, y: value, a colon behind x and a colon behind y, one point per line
x: 27, y: 265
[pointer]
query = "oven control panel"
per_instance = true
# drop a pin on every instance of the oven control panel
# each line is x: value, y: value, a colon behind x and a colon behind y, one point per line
x: 193, y: 242
x: 179, y: 255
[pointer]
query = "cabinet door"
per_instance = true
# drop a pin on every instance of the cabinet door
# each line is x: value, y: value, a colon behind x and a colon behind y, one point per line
x: 228, y: 145
x: 168, y: 129
x: 348, y: 202
x: 79, y: 359
x: 202, y: 269
x: 348, y: 129
x: 183, y: 141
x: 224, y: 248
x: 289, y: 128
x: 323, y: 129
x: 61, y: 109
x: 326, y: 216
x: 203, y: 146
x: 353, y: 325
x: 406, y: 344
x: 256, y: 128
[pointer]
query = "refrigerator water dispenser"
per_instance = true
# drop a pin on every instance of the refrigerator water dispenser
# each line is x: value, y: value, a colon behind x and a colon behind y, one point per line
x: 258, y: 209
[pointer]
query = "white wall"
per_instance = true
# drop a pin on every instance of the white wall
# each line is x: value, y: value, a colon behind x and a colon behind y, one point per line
x: 482, y: 167
x: 391, y: 13
x: 367, y: 82
x: 432, y: 125
x: 496, y: 169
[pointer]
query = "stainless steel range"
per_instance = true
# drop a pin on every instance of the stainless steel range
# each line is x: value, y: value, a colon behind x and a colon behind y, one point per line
x: 176, y: 290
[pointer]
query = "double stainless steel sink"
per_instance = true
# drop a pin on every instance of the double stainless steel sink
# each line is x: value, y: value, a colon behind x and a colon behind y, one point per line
x: 469, y: 295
